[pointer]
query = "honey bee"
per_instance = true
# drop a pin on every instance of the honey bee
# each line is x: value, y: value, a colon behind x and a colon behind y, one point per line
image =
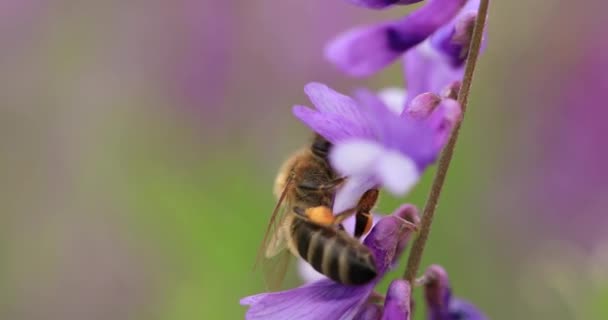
x: 303, y: 221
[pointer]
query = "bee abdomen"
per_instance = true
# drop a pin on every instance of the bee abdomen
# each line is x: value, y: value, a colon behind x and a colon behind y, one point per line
x: 333, y: 254
x: 356, y: 264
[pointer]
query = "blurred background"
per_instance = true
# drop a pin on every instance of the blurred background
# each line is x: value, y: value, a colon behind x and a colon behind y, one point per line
x: 139, y: 143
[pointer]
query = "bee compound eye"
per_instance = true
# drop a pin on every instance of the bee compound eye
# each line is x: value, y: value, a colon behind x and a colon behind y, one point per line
x: 321, y: 147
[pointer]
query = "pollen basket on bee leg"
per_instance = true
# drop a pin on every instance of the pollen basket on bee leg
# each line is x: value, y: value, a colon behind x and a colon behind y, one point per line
x: 321, y: 215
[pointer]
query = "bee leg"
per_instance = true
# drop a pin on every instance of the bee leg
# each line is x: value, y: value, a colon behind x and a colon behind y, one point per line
x: 307, y: 185
x: 340, y: 217
x: 364, y: 219
x: 363, y: 208
x: 300, y: 213
x: 363, y: 223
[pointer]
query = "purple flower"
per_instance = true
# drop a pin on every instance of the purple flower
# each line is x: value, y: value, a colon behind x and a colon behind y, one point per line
x: 373, y: 145
x: 326, y: 299
x: 364, y: 50
x: 441, y: 305
x: 397, y: 303
x: 439, y: 61
x: 381, y: 4
x: 369, y: 311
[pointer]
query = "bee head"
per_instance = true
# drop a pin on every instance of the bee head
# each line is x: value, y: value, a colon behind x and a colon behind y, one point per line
x: 320, y: 146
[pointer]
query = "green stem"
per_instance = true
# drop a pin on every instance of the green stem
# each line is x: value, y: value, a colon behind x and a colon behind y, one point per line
x: 415, y: 257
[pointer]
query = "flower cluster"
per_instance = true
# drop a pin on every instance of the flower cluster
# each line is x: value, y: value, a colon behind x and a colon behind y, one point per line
x: 444, y: 25
x: 374, y: 145
x: 385, y: 140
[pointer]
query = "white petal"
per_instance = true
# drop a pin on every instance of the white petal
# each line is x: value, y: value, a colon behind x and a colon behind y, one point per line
x: 394, y: 98
x: 355, y: 157
x: 308, y: 273
x: 427, y: 50
x: 350, y: 193
x: 397, y: 173
x: 349, y: 225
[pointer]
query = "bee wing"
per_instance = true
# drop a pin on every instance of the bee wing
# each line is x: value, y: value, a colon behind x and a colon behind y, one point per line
x: 274, y: 240
x: 277, y: 239
x: 275, y: 269
x: 271, y: 254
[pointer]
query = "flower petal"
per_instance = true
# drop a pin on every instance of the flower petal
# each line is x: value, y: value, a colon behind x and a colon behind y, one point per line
x: 437, y: 290
x: 323, y: 299
x: 372, y: 104
x: 394, y: 98
x: 326, y: 100
x: 348, y: 196
x: 397, y: 173
x: 369, y: 311
x: 356, y: 160
x: 462, y: 309
x: 333, y: 127
x: 355, y: 157
x: 440, y: 303
x: 385, y: 239
x: 362, y: 51
x: 443, y: 119
x: 365, y: 50
x: 380, y: 4
x: 409, y: 213
x: 349, y: 224
x: 397, y: 303
x: 308, y: 273
x: 426, y: 70
x: 453, y: 39
x: 337, y: 117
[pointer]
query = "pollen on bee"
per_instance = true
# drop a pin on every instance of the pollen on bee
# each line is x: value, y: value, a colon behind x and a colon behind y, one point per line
x: 321, y: 215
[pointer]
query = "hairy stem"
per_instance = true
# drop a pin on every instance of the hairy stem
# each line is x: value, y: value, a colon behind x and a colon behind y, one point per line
x: 413, y: 262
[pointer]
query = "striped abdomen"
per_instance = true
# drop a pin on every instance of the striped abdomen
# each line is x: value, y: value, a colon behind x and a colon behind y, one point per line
x: 333, y: 253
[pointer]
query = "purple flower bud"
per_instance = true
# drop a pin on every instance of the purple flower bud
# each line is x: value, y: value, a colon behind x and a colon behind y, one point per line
x: 437, y: 291
x: 444, y: 118
x: 439, y: 62
x: 455, y: 41
x: 440, y: 303
x: 397, y: 304
x: 365, y: 50
x: 409, y: 213
x: 421, y: 106
x: 451, y: 90
x: 386, y: 238
x: 369, y: 311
